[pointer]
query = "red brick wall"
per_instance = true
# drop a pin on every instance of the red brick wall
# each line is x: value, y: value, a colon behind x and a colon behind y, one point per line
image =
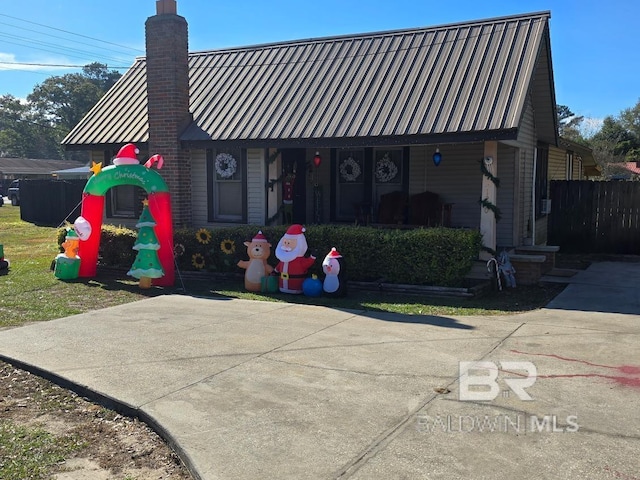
x: 168, y: 106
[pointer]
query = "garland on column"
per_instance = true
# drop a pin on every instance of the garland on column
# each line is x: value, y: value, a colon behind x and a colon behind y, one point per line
x: 485, y: 171
x: 485, y: 202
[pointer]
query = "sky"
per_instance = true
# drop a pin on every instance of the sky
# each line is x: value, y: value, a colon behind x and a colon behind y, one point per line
x: 595, y: 44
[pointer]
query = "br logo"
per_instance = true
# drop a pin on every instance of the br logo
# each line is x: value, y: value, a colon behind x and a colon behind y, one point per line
x: 478, y: 380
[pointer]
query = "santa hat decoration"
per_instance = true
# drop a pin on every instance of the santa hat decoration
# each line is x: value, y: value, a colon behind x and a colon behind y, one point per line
x: 127, y: 155
x: 259, y: 237
x: 296, y: 229
x: 334, y: 253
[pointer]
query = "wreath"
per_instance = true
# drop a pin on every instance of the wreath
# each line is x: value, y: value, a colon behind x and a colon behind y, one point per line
x: 350, y: 170
x: 225, y: 165
x: 386, y: 170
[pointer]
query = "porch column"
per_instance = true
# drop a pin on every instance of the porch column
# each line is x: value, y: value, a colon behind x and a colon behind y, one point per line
x: 489, y: 192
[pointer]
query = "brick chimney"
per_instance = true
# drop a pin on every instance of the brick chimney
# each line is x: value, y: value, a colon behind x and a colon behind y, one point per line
x: 167, y: 48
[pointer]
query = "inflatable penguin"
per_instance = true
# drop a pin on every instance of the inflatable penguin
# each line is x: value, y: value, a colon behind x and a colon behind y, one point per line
x: 335, y: 281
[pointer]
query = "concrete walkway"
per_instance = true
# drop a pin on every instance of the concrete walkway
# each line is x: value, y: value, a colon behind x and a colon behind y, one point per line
x: 259, y: 390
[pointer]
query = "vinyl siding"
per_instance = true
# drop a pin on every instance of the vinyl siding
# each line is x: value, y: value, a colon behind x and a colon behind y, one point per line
x: 458, y: 180
x: 418, y: 158
x: 256, y: 193
x: 199, y: 193
x: 507, y: 157
x: 527, y: 143
x: 558, y: 164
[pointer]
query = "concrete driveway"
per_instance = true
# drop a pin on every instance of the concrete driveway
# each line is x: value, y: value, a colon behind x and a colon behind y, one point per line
x: 248, y: 390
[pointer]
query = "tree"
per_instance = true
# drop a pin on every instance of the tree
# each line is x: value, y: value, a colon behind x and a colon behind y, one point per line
x: 35, y: 128
x: 630, y: 122
x: 24, y: 134
x: 147, y: 264
x: 569, y: 123
x: 66, y: 99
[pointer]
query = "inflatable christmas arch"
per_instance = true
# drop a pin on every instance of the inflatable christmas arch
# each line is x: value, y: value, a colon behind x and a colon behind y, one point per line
x: 159, y: 207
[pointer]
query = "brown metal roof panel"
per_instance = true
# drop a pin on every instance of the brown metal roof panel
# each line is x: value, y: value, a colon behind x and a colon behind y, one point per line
x: 375, y: 104
x: 317, y: 88
x: 452, y: 100
x: 337, y: 78
x: 365, y: 71
x: 525, y: 73
x: 477, y: 43
x: 321, y: 105
x: 510, y: 78
x: 275, y: 113
x: 448, y: 83
x: 378, y: 62
x: 349, y: 70
x: 404, y: 86
x: 268, y: 80
x: 241, y: 103
x: 107, y: 120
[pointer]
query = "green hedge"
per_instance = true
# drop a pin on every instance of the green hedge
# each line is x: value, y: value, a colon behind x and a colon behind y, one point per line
x: 432, y: 256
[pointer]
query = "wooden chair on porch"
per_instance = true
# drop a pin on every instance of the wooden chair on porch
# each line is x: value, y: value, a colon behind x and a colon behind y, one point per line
x: 392, y: 208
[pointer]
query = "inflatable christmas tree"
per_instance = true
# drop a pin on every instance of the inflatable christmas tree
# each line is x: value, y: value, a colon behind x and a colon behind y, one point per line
x: 147, y: 265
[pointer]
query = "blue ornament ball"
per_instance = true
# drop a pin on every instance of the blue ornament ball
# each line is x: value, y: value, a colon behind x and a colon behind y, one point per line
x: 312, y: 287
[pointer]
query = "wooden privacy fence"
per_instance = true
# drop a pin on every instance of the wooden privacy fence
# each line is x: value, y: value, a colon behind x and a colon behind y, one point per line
x: 595, y: 217
x: 49, y: 202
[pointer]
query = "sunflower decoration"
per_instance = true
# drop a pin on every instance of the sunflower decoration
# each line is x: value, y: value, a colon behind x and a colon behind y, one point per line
x: 178, y: 250
x: 203, y: 236
x: 197, y: 260
x: 228, y: 247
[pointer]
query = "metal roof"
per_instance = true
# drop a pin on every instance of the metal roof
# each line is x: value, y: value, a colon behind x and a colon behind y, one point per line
x: 456, y: 80
x: 33, y: 166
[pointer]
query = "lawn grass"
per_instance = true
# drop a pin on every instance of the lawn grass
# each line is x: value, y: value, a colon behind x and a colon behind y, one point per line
x: 30, y: 292
x: 30, y: 452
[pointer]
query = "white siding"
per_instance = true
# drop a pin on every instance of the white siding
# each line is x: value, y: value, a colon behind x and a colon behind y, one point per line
x: 458, y: 180
x: 558, y: 164
x: 527, y: 142
x: 199, y: 188
x: 507, y: 157
x: 256, y: 190
x: 418, y: 158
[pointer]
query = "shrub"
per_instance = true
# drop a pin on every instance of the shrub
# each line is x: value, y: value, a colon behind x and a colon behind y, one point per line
x: 431, y: 256
x: 434, y: 256
x: 116, y: 246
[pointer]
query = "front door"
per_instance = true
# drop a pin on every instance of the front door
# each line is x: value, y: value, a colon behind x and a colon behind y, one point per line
x: 294, y: 193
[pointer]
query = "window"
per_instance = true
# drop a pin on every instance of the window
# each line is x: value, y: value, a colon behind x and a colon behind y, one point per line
x: 542, y: 168
x: 123, y: 201
x: 350, y: 185
x: 227, y: 187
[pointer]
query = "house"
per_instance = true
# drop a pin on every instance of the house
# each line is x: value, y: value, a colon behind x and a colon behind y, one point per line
x: 322, y: 130
x: 31, y: 168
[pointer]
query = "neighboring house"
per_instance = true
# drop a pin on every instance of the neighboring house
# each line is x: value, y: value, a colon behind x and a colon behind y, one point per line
x: 372, y: 109
x: 568, y: 160
x: 30, y: 168
x: 624, y: 171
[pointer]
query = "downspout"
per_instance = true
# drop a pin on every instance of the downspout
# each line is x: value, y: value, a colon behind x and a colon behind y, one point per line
x: 533, y: 198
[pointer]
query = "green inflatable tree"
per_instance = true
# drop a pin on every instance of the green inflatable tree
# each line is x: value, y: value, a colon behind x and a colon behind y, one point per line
x: 147, y: 265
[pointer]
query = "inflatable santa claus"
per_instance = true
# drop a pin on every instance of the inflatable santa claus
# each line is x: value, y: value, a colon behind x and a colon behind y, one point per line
x: 294, y: 261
